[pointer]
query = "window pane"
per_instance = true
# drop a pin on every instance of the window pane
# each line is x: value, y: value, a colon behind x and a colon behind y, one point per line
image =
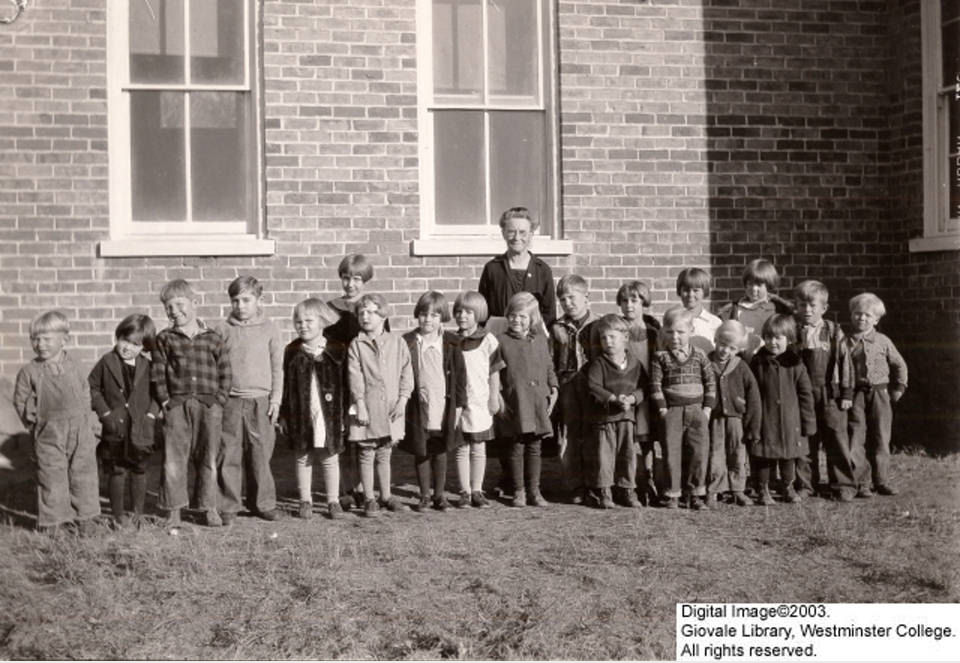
x: 458, y: 48
x: 459, y: 166
x: 216, y: 41
x: 512, y: 44
x: 219, y: 145
x: 157, y: 164
x: 951, y: 53
x: 156, y: 41
x: 518, y: 174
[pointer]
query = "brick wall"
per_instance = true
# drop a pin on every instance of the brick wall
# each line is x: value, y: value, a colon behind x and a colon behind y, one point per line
x: 924, y: 316
x: 692, y: 133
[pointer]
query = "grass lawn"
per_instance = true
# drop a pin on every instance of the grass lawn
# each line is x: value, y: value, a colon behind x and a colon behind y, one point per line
x: 562, y: 582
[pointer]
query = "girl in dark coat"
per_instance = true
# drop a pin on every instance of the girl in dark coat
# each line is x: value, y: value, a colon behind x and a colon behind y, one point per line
x: 788, y: 413
x: 313, y: 405
x: 120, y: 395
x: 433, y: 414
x: 529, y: 388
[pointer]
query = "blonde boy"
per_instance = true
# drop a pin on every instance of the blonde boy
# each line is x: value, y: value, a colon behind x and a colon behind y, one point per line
x: 821, y: 345
x: 52, y: 397
x: 683, y: 388
x: 256, y: 361
x: 192, y: 380
x: 880, y: 378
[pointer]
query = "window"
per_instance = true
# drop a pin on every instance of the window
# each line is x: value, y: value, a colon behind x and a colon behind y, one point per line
x: 940, y: 31
x: 487, y: 121
x: 183, y: 128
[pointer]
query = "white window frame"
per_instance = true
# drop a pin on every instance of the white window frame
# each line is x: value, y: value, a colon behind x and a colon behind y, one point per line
x: 941, y: 229
x: 436, y: 239
x: 176, y: 238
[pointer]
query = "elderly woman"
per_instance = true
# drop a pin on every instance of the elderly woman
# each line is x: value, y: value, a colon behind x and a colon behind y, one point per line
x: 515, y: 271
x: 518, y: 270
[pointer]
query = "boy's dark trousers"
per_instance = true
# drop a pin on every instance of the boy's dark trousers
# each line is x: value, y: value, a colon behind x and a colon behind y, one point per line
x: 191, y: 433
x: 118, y: 471
x: 727, y: 457
x: 610, y: 456
x: 831, y: 436
x: 685, y: 444
x: 870, y: 422
x: 248, y: 442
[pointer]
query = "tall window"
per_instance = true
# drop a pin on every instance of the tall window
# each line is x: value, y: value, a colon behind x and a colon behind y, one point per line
x: 184, y: 145
x: 941, y: 125
x: 487, y: 121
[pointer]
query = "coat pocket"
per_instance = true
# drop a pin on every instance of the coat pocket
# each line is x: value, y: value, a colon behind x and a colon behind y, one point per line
x: 113, y: 425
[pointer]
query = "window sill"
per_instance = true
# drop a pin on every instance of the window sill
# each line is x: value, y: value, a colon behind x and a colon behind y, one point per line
x: 485, y: 246
x: 203, y: 245
x: 935, y: 243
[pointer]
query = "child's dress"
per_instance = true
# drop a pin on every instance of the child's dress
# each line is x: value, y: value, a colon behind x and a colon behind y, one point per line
x: 526, y: 382
x: 452, y: 391
x: 481, y: 358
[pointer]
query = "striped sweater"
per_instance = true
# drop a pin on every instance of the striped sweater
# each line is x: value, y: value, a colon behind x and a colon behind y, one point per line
x: 675, y: 383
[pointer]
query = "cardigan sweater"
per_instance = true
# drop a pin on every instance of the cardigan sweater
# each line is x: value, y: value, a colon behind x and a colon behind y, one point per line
x: 738, y: 395
x: 497, y: 287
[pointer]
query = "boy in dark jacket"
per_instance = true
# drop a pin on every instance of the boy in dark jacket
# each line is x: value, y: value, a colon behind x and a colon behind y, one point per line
x: 120, y: 395
x: 735, y: 421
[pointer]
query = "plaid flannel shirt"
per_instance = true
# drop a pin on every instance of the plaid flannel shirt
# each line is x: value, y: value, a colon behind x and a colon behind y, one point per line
x: 197, y: 367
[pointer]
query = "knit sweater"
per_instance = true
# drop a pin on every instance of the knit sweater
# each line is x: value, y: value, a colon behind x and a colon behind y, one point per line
x: 256, y: 357
x: 676, y: 383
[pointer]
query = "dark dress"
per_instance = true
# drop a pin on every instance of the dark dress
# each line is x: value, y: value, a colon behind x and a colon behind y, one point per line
x: 498, y: 285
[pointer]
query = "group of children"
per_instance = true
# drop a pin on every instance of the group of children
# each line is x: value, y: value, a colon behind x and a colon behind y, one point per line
x: 643, y: 413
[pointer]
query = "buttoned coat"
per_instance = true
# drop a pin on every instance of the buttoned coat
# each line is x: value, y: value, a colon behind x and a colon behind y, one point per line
x: 379, y: 374
x: 127, y: 419
x: 455, y: 395
x: 526, y: 382
x: 330, y: 368
x: 788, y: 411
x: 738, y: 395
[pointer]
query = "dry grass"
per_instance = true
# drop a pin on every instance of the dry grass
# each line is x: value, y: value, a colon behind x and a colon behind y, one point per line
x: 563, y: 582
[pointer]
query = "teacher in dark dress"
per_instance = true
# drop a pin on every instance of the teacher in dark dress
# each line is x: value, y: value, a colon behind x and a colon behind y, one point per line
x: 518, y: 270
x: 515, y: 271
